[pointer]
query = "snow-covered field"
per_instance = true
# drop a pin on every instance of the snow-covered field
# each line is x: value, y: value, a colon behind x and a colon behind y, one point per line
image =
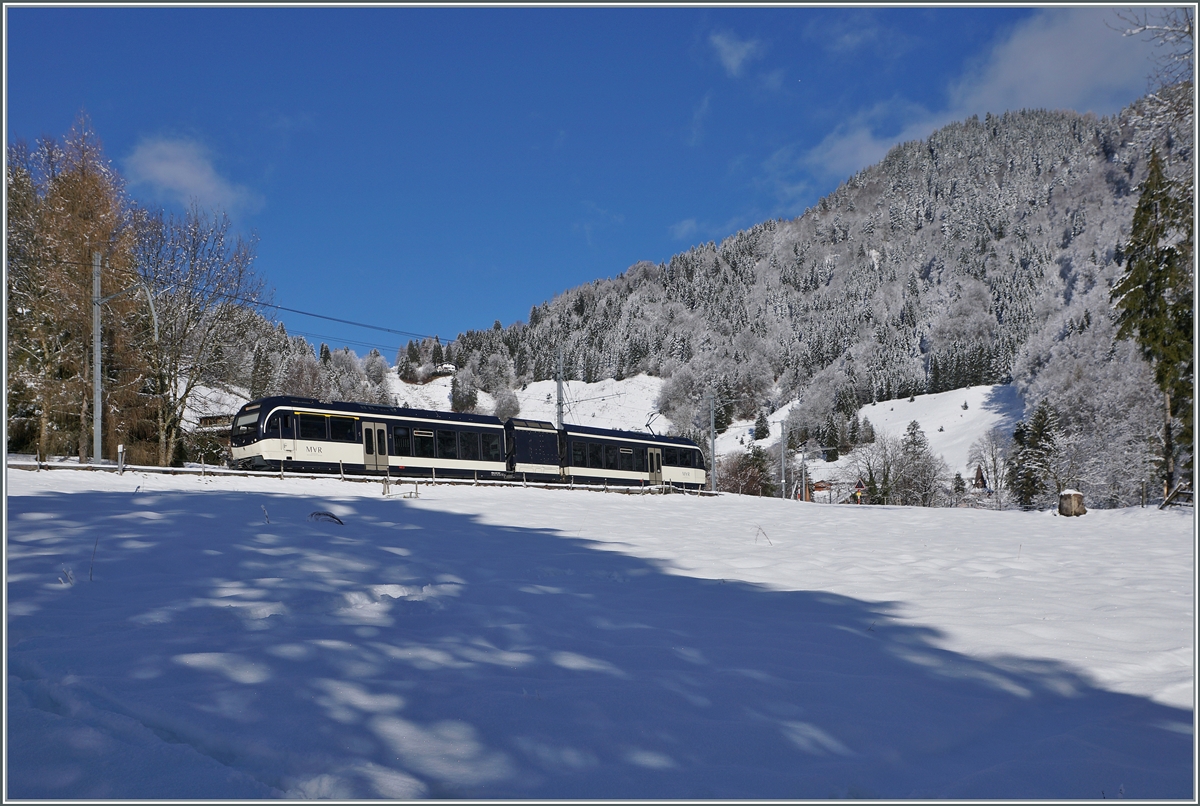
x: 528, y: 643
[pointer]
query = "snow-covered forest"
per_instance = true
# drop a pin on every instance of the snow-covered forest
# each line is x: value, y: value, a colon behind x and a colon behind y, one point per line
x: 985, y: 254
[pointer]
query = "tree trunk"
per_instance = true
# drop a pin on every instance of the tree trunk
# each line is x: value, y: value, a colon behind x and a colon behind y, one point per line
x: 83, y: 429
x: 1168, y: 450
x: 162, y: 433
x: 44, y: 406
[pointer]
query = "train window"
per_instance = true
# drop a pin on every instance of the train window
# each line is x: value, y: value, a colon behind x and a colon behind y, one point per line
x: 685, y: 457
x: 468, y: 445
x: 400, y: 437
x: 341, y: 429
x: 639, y: 460
x: 423, y: 444
x: 595, y: 454
x: 381, y: 441
x: 578, y: 453
x: 246, y: 424
x: 447, y: 444
x: 626, y: 459
x: 272, y: 429
x: 491, y: 447
x: 369, y: 440
x: 611, y: 452
x: 312, y: 426
x: 536, y: 448
x: 670, y: 456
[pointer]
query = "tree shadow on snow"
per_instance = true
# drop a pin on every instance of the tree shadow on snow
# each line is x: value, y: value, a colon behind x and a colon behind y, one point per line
x: 410, y: 653
x: 1008, y: 403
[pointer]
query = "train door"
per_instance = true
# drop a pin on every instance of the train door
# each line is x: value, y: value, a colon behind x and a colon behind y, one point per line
x: 375, y: 449
x: 287, y: 440
x: 654, y: 461
x: 279, y: 437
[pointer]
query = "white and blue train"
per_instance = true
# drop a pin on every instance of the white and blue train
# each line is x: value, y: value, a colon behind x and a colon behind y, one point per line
x: 306, y: 435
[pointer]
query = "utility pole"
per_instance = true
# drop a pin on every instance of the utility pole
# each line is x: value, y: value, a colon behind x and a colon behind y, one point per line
x: 712, y: 437
x: 559, y: 378
x: 97, y: 385
x: 782, y: 459
x: 97, y: 415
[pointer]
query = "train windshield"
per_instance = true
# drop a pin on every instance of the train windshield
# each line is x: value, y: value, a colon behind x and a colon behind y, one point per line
x: 245, y: 425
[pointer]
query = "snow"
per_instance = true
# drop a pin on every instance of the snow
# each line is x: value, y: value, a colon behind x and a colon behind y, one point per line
x: 207, y: 401
x: 988, y: 407
x: 626, y: 404
x: 508, y: 642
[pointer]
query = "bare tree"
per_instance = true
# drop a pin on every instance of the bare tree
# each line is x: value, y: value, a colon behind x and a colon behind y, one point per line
x: 990, y: 452
x: 1172, y: 30
x: 877, y: 464
x: 507, y: 404
x: 203, y: 281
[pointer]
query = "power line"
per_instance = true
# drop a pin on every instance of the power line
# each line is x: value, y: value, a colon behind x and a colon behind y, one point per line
x: 256, y: 302
x: 382, y: 348
x: 329, y: 318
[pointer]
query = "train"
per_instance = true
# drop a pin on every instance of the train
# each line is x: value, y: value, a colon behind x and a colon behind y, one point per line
x: 307, y: 435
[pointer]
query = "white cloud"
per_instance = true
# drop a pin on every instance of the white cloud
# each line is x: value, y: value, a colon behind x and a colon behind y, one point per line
x: 1057, y: 59
x: 734, y: 52
x: 855, y: 144
x: 182, y: 171
x: 850, y: 33
x: 683, y: 229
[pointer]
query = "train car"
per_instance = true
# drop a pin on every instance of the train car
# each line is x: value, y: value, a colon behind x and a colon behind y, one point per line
x: 303, y: 434
x: 534, y: 453
x: 306, y: 435
x: 598, y: 455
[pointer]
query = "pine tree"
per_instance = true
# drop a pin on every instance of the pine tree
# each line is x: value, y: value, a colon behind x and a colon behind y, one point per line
x: 260, y: 373
x: 935, y: 377
x: 1154, y: 299
x: 958, y: 488
x: 762, y: 428
x: 1022, y: 481
x: 1029, y: 465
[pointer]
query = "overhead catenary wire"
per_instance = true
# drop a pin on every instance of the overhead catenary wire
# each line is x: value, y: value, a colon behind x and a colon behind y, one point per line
x: 257, y: 302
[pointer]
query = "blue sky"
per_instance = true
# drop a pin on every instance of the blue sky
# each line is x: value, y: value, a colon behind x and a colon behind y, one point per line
x: 432, y: 170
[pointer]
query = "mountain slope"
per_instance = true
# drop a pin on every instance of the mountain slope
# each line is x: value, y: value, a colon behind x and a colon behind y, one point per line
x: 931, y: 270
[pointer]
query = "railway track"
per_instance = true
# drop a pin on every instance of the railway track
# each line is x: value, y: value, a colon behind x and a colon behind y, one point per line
x: 387, y: 482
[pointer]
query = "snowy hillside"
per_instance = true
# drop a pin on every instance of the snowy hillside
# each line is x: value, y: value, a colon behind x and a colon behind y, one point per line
x: 210, y: 639
x: 626, y: 404
x: 949, y: 427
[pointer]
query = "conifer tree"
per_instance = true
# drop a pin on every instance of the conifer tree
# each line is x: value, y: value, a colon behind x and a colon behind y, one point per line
x: 1154, y: 299
x: 1032, y: 451
x: 762, y: 428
